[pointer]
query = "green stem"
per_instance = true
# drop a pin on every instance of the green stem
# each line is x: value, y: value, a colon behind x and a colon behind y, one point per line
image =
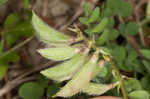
x: 16, y: 47
x: 125, y: 96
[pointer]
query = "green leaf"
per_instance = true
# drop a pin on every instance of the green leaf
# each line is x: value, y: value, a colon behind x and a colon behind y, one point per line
x: 10, y: 39
x: 22, y: 29
x: 3, y: 70
x: 11, y: 20
x: 138, y: 66
x: 83, y: 20
x: 47, y: 34
x: 26, y: 4
x: 59, y: 53
x: 87, y: 9
x: 105, y: 51
x: 103, y: 37
x: 31, y: 90
x: 147, y: 65
x: 118, y: 7
x: 100, y: 27
x: 119, y: 53
x: 3, y: 2
x: 52, y: 90
x: 88, y: 31
x: 146, y: 53
x: 145, y: 81
x: 139, y: 94
x: 107, y: 12
x: 126, y: 9
x: 111, y: 23
x: 132, y: 28
x: 114, y: 6
x: 43, y: 81
x: 95, y: 15
x: 11, y: 57
x: 65, y: 70
x: 133, y: 84
x: 132, y: 55
x: 113, y: 34
x: 122, y: 29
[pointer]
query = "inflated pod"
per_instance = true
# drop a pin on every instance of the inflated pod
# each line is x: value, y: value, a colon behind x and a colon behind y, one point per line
x: 80, y: 79
x: 67, y: 69
x: 59, y: 53
x: 47, y: 34
x: 98, y: 89
x: 98, y: 68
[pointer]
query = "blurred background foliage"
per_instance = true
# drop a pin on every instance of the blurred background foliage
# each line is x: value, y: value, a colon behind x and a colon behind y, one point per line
x: 119, y: 26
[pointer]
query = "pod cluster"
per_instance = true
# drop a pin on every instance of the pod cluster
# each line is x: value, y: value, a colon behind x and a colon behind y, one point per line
x: 78, y: 67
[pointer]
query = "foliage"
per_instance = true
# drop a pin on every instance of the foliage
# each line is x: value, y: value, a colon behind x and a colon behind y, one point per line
x: 94, y: 62
x: 101, y: 32
x: 3, y: 2
x: 15, y: 27
x: 69, y: 69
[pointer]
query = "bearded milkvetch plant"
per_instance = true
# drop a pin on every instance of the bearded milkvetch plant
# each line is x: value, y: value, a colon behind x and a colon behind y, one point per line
x: 79, y: 66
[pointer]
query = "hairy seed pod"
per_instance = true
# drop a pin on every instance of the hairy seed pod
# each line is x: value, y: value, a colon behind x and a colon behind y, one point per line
x: 65, y: 70
x: 47, y: 34
x: 98, y: 89
x: 98, y: 68
x: 59, y: 53
x: 81, y: 78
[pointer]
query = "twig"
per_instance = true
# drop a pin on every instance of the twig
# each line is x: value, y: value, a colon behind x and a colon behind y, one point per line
x: 16, y: 47
x: 138, y: 21
x: 8, y: 87
x: 45, y: 8
x: 132, y: 41
x: 77, y: 14
x: 140, y: 30
x: 135, y: 45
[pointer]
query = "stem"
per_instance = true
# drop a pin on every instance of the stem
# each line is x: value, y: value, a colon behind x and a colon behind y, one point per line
x: 120, y: 79
x: 16, y: 47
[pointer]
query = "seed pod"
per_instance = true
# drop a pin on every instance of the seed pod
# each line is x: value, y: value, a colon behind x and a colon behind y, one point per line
x: 65, y: 70
x: 98, y: 89
x: 98, y: 68
x: 47, y: 34
x: 80, y: 80
x: 59, y: 53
